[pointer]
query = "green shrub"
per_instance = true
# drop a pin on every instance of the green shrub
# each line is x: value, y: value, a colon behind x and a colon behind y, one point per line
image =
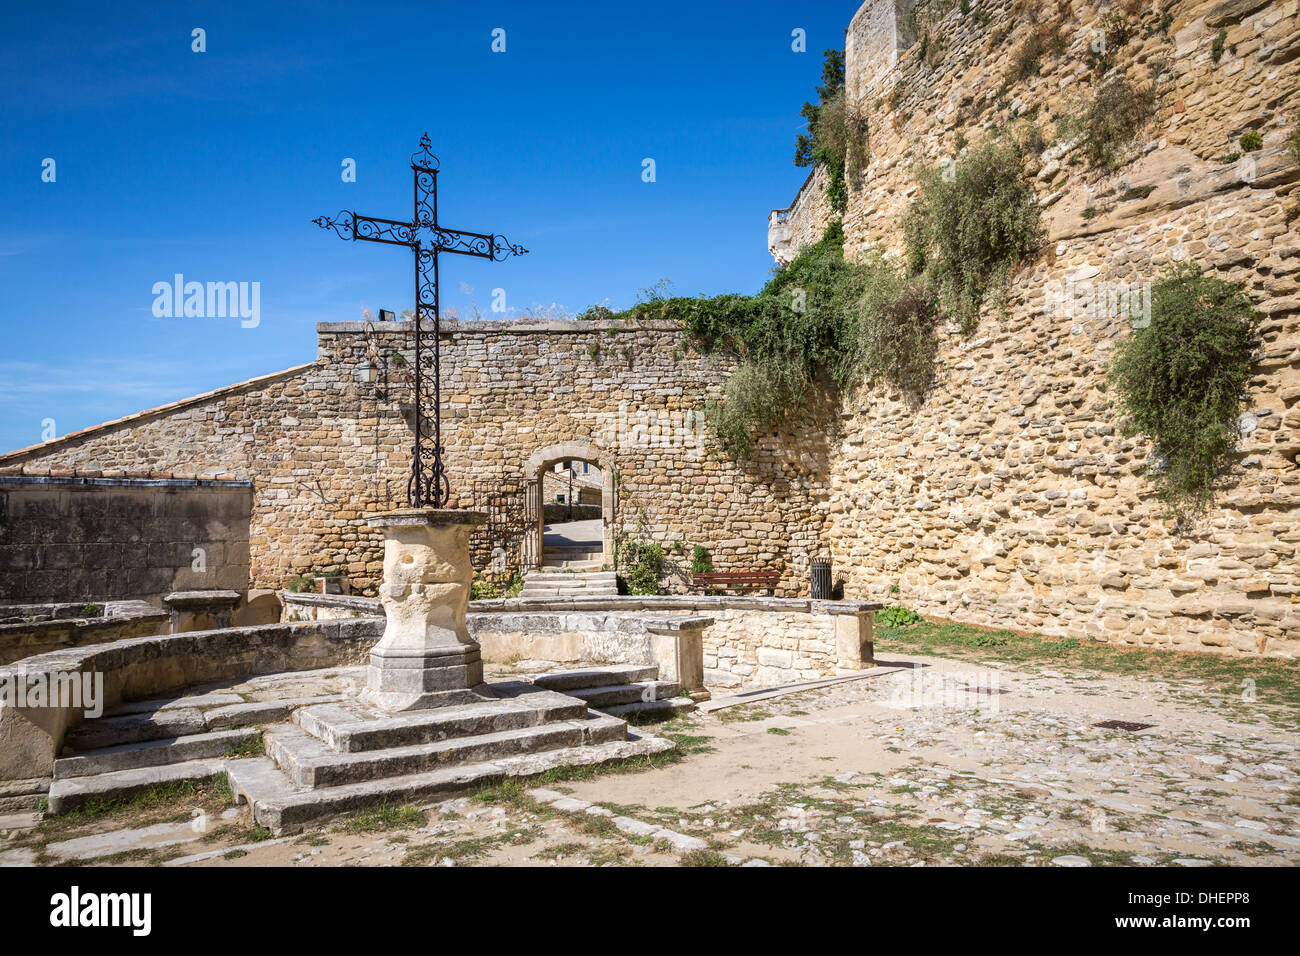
x: 1293, y: 145
x: 1216, y: 48
x: 641, y: 566
x: 969, y: 227
x: 1252, y: 140
x: 1180, y: 381
x: 897, y: 616
x: 893, y: 335
x: 1107, y: 122
x: 701, y: 563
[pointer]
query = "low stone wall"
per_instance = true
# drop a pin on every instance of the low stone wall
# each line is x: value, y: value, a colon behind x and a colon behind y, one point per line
x: 145, y: 667
x: 556, y: 513
x: 30, y: 629
x: 752, y: 642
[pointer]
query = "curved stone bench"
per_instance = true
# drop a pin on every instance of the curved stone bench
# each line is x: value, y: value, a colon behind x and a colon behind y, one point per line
x: 29, y: 629
x: 147, y: 667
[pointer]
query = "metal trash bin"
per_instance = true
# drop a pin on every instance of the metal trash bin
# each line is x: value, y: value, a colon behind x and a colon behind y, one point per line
x: 820, y: 574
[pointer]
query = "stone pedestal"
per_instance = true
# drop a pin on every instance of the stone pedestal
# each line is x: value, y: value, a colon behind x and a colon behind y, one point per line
x: 426, y: 657
x: 201, y: 610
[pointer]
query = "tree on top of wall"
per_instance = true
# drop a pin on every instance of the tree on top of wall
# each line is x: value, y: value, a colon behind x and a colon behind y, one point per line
x: 837, y: 134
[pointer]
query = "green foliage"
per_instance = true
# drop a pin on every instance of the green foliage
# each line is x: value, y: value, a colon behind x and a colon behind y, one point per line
x: 897, y: 616
x: 893, y: 332
x: 1108, y: 121
x: 485, y: 589
x: 1293, y: 145
x: 1216, y: 48
x: 92, y: 610
x: 701, y: 563
x: 970, y: 225
x: 1180, y: 381
x: 832, y: 86
x: 596, y: 313
x: 641, y: 566
x: 1252, y: 140
x: 837, y: 133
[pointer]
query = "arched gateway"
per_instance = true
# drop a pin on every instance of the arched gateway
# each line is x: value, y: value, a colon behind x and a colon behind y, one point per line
x: 544, y: 460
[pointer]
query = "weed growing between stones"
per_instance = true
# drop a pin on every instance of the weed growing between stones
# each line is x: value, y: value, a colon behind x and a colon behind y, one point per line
x: 1107, y: 122
x: 386, y: 816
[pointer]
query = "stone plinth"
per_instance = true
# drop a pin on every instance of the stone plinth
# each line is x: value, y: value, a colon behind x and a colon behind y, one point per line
x: 678, y: 648
x: 201, y: 610
x: 426, y: 657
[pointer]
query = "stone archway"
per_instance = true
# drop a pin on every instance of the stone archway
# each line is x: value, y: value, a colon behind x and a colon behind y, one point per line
x: 545, y: 458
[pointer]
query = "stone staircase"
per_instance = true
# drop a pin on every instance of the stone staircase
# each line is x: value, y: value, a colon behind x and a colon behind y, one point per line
x: 570, y: 572
x: 621, y: 690
x: 333, y: 754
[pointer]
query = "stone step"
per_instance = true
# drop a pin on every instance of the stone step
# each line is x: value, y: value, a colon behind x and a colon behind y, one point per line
x: 569, y: 553
x: 603, y: 697
x: 69, y: 794
x: 576, y: 579
x: 576, y: 564
x: 664, y: 709
x: 607, y: 676
x: 261, y: 712
x: 162, y: 724
x: 168, y: 722
x: 153, y: 753
x: 284, y: 808
x: 353, y: 727
x: 309, y: 762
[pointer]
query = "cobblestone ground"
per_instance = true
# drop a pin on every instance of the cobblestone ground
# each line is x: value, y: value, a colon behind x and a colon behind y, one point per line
x: 941, y: 762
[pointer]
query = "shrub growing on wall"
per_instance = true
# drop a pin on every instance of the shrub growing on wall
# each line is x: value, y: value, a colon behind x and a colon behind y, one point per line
x: 1109, y: 120
x: 1180, y: 381
x: 641, y: 566
x: 893, y: 332
x: 972, y: 222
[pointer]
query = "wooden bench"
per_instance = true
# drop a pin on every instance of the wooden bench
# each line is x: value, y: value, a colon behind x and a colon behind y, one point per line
x: 737, y: 580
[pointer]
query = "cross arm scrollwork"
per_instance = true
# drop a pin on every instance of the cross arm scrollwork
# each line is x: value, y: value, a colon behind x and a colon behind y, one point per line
x: 485, y: 246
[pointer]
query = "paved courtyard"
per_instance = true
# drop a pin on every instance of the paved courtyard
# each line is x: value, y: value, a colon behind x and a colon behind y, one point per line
x: 940, y: 762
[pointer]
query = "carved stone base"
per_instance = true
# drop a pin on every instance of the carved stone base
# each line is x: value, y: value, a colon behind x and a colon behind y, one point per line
x: 426, y: 657
x: 403, y: 680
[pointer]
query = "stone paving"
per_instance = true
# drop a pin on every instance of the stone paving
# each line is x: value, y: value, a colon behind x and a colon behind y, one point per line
x: 942, y: 764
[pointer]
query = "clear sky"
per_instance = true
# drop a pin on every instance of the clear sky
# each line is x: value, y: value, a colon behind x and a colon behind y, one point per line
x: 213, y: 164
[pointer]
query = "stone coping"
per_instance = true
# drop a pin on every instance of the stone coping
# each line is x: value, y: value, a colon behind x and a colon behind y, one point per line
x: 56, y: 476
x: 675, y: 602
x: 663, y: 602
x: 511, y: 326
x: 426, y: 517
x: 60, y: 616
x: 200, y: 598
x: 675, y: 625
x: 369, y: 606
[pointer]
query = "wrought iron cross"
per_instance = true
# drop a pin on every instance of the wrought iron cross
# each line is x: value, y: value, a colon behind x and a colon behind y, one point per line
x: 428, y: 486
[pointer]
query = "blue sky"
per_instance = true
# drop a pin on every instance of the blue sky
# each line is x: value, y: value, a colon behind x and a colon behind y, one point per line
x: 213, y: 164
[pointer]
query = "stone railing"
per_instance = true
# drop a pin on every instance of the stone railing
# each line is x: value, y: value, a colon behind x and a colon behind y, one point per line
x: 29, y: 629
x: 141, y: 668
x: 752, y: 641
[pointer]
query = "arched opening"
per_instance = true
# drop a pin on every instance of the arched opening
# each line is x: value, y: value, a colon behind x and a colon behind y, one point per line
x: 571, y: 490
